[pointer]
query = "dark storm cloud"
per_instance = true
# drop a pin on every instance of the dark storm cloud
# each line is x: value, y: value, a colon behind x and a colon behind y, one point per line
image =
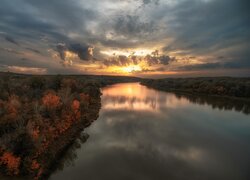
x: 205, y: 66
x: 61, y: 49
x: 215, y: 28
x: 145, y: 2
x: 11, y: 40
x: 206, y: 27
x: 111, y: 62
x: 34, y: 50
x: 155, y: 58
x: 11, y: 51
x: 84, y: 52
x: 117, y: 61
x: 135, y: 59
x: 132, y: 25
x: 242, y: 63
x: 123, y: 44
x: 238, y: 64
x: 123, y: 60
x: 151, y: 59
x: 164, y: 60
x: 32, y: 19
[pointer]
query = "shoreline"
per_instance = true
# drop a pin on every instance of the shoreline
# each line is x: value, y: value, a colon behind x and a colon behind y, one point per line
x: 176, y: 91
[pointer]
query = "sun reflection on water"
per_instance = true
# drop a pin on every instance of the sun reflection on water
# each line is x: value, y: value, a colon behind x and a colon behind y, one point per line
x: 133, y: 96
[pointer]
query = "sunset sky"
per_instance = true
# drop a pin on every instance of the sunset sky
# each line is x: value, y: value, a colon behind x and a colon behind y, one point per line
x: 145, y: 38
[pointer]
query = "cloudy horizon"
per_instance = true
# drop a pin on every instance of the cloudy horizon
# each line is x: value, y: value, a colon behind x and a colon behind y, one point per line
x: 145, y: 38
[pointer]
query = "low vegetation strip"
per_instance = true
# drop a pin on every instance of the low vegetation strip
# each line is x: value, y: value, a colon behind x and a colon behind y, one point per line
x: 219, y: 86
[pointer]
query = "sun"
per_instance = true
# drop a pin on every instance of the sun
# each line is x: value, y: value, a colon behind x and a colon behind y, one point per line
x: 131, y: 68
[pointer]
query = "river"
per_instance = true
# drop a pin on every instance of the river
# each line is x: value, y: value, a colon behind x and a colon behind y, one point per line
x: 145, y: 134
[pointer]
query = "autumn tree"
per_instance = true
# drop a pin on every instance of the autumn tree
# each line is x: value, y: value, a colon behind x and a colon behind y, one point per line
x: 51, y: 101
x: 11, y: 162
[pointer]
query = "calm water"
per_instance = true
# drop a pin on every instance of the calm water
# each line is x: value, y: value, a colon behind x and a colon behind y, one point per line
x: 144, y: 134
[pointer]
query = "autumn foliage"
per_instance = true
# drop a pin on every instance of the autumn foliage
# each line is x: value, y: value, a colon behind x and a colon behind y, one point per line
x: 11, y: 162
x: 39, y: 115
x: 51, y: 100
x: 35, y: 165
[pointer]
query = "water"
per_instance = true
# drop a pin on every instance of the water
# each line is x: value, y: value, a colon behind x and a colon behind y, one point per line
x: 145, y: 134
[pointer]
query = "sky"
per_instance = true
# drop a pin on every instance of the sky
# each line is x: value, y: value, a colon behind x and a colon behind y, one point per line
x: 144, y: 38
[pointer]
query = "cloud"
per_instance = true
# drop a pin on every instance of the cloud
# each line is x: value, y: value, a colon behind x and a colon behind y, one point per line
x: 34, y: 50
x: 164, y: 59
x: 135, y: 59
x: 61, y: 49
x: 160, y: 69
x: 146, y: 2
x: 84, y: 52
x: 11, y: 40
x: 205, y: 66
x: 240, y: 64
x: 26, y: 70
x: 132, y: 25
x: 117, y: 61
x: 111, y: 62
x: 155, y: 58
x: 206, y: 29
x: 40, y: 18
x: 123, y: 60
x: 12, y: 51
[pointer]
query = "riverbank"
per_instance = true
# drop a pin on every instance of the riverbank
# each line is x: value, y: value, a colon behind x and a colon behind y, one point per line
x: 225, y: 87
x: 144, y: 133
x: 42, y: 116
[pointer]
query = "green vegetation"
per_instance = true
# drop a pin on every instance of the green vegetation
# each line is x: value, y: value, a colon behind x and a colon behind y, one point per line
x: 220, y: 86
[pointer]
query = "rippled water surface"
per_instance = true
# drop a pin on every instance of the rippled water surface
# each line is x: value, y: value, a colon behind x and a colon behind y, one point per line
x: 145, y: 134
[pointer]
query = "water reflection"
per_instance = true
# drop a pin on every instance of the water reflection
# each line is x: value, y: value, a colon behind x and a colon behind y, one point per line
x: 146, y: 134
x: 220, y: 103
x: 136, y: 97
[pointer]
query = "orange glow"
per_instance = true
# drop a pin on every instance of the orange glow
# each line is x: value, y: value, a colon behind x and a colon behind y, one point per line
x: 70, y: 55
x: 131, y: 68
x: 22, y: 69
x: 123, y: 69
x: 132, y: 96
